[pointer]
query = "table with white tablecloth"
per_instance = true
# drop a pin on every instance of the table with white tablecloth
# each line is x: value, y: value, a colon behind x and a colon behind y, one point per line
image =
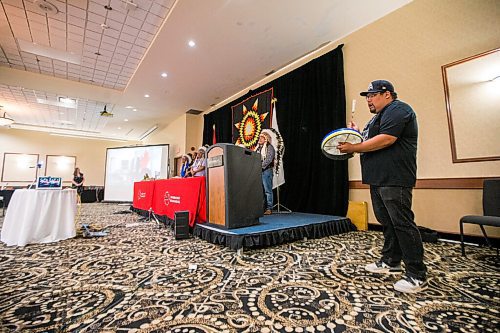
x: 40, y: 216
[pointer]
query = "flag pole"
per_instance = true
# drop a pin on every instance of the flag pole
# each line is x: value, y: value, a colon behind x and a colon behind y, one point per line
x: 279, y: 208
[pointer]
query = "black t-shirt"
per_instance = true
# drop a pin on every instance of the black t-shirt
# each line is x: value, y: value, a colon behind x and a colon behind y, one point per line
x: 78, y: 179
x: 395, y: 165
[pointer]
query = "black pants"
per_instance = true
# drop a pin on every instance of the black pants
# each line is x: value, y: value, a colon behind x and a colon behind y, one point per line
x: 402, y: 241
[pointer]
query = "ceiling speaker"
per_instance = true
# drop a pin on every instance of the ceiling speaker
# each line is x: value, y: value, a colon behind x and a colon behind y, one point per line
x: 46, y: 7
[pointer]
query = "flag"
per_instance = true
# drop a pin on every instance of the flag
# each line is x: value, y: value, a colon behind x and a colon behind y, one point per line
x: 279, y: 173
x: 250, y: 117
x: 214, y: 140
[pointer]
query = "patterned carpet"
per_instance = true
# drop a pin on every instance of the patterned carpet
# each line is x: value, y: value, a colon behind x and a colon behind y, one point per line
x: 139, y: 279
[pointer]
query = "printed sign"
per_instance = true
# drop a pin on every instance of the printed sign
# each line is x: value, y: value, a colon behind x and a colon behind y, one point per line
x: 47, y: 182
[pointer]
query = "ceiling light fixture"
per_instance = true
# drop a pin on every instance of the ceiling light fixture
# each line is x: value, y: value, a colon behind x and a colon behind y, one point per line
x: 88, y: 137
x: 49, y: 52
x: 6, y: 121
x: 67, y: 100
x: 130, y: 5
x: 146, y: 95
x: 164, y: 74
x: 134, y: 110
x: 71, y: 105
x: 148, y: 132
x: 125, y: 119
x: 191, y: 43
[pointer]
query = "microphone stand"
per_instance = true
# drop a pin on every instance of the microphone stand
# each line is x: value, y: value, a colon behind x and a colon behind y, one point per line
x: 38, y: 166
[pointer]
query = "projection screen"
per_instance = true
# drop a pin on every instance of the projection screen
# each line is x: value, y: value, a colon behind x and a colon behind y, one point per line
x: 126, y: 165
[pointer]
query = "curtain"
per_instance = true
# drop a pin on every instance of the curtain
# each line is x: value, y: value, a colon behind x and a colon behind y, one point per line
x: 310, y: 104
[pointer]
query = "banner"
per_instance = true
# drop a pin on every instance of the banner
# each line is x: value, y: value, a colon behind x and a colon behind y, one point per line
x: 250, y: 117
x: 254, y: 115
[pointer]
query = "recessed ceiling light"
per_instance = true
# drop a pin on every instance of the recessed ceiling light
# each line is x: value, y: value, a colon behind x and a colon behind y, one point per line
x: 134, y: 110
x: 61, y: 104
x: 146, y: 95
x: 67, y: 100
x: 191, y: 43
x: 125, y: 119
x: 164, y: 74
x: 119, y: 128
x: 129, y: 107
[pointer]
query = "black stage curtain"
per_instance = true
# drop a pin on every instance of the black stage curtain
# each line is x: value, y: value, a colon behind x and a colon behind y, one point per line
x: 311, y: 103
x: 222, y: 119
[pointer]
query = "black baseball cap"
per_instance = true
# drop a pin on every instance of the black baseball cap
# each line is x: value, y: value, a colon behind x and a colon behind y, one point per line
x: 378, y: 86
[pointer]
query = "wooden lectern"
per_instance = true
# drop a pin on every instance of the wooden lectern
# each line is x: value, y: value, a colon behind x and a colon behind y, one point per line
x: 234, y: 186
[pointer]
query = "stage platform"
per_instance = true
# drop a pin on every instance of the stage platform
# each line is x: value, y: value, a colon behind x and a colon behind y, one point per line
x: 274, y: 230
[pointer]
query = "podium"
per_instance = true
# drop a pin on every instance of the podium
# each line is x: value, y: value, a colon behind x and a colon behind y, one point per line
x: 234, y: 186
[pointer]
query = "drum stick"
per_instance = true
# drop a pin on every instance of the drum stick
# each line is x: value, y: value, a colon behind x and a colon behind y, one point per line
x: 353, y: 109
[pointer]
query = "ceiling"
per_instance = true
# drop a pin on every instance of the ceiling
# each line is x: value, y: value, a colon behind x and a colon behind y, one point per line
x: 62, y: 63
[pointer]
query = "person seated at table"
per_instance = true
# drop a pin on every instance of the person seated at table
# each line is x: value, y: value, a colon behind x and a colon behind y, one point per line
x: 193, y: 155
x: 186, y: 163
x: 200, y: 164
x: 190, y: 166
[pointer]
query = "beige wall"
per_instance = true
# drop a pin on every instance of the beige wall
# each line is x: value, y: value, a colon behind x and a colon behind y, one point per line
x: 175, y: 135
x: 408, y: 47
x: 183, y: 133
x: 194, y: 131
x: 90, y: 154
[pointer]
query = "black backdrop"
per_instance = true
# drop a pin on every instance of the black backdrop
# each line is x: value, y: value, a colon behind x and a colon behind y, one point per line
x: 311, y: 103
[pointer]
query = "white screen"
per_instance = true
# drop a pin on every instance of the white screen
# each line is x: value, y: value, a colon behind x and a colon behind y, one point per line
x: 126, y: 165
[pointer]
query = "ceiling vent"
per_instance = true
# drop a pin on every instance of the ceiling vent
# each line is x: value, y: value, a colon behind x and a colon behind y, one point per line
x: 46, y: 7
x: 193, y: 111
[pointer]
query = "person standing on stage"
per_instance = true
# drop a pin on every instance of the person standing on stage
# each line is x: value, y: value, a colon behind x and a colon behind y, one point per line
x: 389, y: 166
x: 267, y: 152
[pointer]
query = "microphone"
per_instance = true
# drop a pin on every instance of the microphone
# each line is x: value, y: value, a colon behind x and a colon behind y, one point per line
x: 38, y: 165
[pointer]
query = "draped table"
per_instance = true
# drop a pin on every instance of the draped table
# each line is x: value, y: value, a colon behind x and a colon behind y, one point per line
x: 166, y: 196
x: 39, y: 216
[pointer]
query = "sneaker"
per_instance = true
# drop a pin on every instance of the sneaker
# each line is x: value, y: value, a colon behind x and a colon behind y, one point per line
x: 408, y: 285
x: 383, y: 268
x: 268, y: 212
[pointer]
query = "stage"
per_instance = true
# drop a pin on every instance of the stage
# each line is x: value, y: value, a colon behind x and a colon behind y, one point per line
x: 274, y: 230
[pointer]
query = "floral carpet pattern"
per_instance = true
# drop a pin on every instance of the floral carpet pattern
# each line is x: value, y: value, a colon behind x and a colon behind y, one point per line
x: 140, y: 279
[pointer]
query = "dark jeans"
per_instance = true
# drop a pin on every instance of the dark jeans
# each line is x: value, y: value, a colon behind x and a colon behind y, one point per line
x: 267, y: 183
x: 402, y: 241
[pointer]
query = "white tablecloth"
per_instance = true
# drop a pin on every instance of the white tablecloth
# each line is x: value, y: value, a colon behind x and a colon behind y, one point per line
x: 39, y: 216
